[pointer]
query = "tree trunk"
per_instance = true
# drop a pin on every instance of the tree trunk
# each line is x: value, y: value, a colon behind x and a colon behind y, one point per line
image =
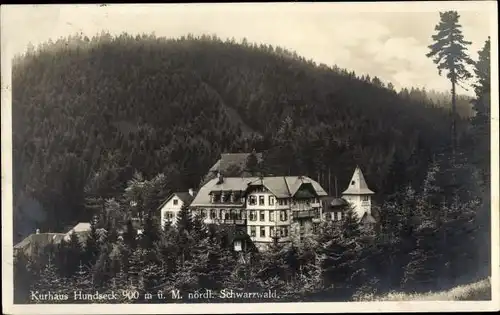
x: 453, y: 118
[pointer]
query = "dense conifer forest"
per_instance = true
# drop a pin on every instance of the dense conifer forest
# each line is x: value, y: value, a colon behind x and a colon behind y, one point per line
x: 100, y: 122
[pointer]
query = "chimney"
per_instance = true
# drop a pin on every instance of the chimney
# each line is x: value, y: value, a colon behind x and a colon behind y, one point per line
x: 220, y: 177
x: 191, y: 192
x: 37, y: 231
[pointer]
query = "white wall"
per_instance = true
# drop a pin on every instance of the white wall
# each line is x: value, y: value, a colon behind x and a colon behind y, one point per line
x: 361, y: 204
x: 267, y: 207
x: 171, y: 207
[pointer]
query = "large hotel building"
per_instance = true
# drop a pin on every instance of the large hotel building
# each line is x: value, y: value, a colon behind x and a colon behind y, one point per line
x: 267, y: 208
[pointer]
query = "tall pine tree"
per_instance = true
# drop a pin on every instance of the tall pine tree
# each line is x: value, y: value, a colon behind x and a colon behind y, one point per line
x: 449, y: 52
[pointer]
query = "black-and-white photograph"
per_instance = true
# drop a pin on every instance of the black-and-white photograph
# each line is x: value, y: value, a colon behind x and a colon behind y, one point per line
x: 249, y: 154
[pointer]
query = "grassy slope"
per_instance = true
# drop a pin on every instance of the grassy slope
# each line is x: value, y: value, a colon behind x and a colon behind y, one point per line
x: 477, y: 291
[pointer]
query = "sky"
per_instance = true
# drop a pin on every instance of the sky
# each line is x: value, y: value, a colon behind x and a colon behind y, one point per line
x: 386, y: 40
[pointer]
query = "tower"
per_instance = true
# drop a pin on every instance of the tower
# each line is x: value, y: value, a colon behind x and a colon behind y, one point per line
x: 358, y: 194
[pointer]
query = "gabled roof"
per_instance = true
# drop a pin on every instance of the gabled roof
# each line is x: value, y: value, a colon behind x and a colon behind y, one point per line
x: 228, y: 159
x: 40, y: 241
x: 185, y: 197
x: 81, y: 227
x: 357, y: 185
x: 281, y: 187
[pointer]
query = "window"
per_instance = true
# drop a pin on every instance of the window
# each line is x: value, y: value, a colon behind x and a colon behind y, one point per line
x: 353, y: 182
x: 271, y: 200
x: 283, y: 215
x: 262, y: 231
x: 226, y: 197
x: 176, y: 202
x: 213, y: 215
x: 315, y: 228
x: 271, y: 216
x: 284, y: 231
x: 261, y: 200
x: 262, y: 215
x: 227, y: 217
x: 216, y: 198
x: 252, y: 215
x: 252, y: 231
x: 252, y: 200
x: 365, y: 198
x: 271, y: 231
x: 334, y: 216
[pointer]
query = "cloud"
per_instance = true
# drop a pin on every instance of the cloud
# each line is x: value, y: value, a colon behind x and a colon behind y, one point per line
x: 387, y: 44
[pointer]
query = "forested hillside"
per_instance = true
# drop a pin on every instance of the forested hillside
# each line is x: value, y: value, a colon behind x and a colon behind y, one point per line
x: 89, y: 112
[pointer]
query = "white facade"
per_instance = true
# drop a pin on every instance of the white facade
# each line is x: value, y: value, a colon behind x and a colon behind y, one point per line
x: 358, y: 195
x: 267, y: 217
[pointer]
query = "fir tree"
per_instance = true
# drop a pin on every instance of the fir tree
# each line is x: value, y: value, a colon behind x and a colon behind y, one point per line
x: 252, y: 164
x: 83, y: 279
x: 23, y: 276
x: 481, y: 120
x: 92, y: 244
x: 422, y: 270
x: 130, y: 235
x: 74, y: 254
x: 50, y: 281
x: 449, y: 53
x: 184, y: 219
x: 151, y: 232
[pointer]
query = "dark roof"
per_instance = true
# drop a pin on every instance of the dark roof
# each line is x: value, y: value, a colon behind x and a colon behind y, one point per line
x: 331, y: 203
x: 185, y: 197
x: 38, y: 241
x: 304, y: 194
x: 338, y: 202
x: 368, y: 218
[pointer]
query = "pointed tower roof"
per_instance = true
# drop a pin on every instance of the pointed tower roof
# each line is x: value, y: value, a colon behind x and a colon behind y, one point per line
x: 357, y: 185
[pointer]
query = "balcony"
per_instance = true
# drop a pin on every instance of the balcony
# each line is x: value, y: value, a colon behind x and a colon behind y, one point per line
x: 301, y: 207
x: 225, y: 221
x: 305, y: 214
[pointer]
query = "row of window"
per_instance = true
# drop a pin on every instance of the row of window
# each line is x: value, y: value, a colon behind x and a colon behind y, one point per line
x: 254, y: 200
x: 273, y: 215
x: 226, y: 198
x: 169, y: 215
x: 279, y: 231
x: 363, y: 198
x: 235, y: 214
x: 334, y: 216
